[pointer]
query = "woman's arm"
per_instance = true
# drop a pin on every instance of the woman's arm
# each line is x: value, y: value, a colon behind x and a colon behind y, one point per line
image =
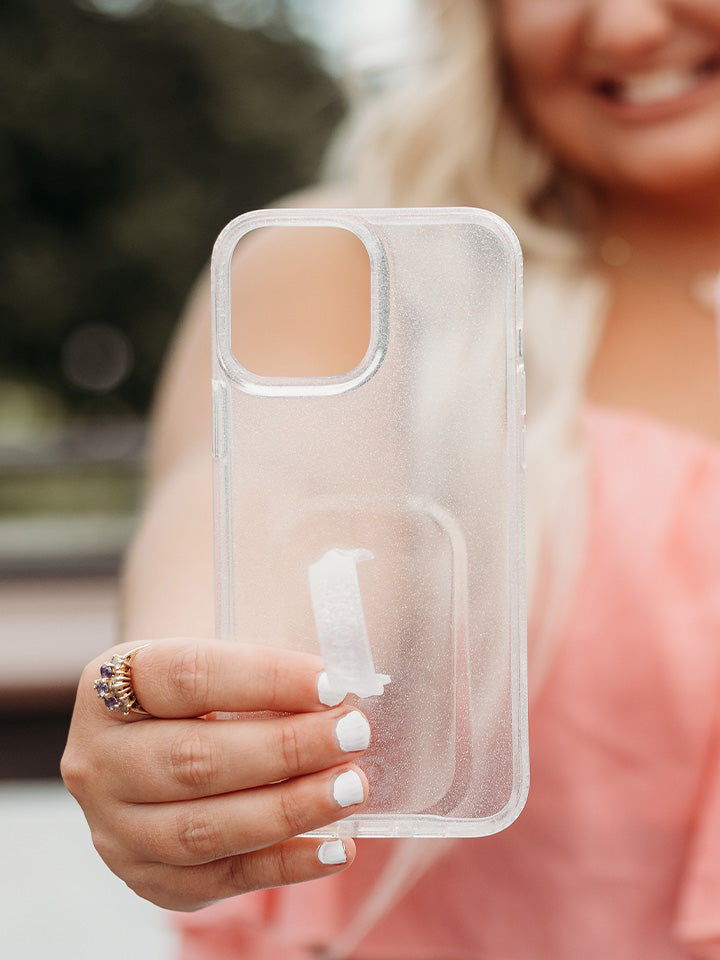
x: 304, y: 310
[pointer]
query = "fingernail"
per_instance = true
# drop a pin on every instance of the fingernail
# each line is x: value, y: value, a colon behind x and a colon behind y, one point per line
x: 348, y: 789
x: 353, y: 732
x: 327, y: 694
x: 332, y: 851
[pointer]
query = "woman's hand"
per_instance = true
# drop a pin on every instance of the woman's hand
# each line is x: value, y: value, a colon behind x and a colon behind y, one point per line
x: 189, y: 810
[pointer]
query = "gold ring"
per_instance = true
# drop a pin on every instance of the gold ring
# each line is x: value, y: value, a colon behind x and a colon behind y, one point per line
x: 114, y: 685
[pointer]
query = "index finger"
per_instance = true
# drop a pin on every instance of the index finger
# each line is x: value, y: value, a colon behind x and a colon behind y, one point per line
x: 190, y: 678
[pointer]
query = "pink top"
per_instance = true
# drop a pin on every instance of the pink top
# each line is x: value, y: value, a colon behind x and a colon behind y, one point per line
x: 617, y: 853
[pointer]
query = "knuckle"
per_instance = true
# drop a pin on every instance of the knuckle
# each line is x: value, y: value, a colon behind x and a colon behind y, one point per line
x: 293, y: 812
x: 106, y: 846
x: 190, y: 673
x: 145, y: 889
x: 281, y: 867
x: 156, y: 889
x: 269, y: 674
x: 239, y: 876
x: 271, y: 867
x: 192, y: 759
x: 290, y: 748
x: 75, y: 770
x: 151, y: 882
x: 274, y: 677
x: 198, y: 838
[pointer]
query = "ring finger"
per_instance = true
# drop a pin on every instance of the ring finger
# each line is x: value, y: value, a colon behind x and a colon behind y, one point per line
x: 173, y: 760
x: 200, y: 831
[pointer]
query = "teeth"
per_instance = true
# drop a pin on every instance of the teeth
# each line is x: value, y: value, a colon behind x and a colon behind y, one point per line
x: 656, y: 87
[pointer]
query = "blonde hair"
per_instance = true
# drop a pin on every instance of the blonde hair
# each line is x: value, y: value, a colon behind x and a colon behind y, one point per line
x: 448, y: 133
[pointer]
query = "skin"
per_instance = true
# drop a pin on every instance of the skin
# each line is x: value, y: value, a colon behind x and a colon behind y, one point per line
x: 657, y: 172
x: 191, y: 810
x: 205, y: 809
x: 560, y: 51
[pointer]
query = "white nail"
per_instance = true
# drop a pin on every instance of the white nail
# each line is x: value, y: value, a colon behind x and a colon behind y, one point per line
x: 353, y: 732
x: 332, y: 851
x: 348, y: 789
x: 327, y: 694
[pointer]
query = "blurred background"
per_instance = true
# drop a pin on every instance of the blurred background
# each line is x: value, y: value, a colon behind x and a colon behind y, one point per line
x: 131, y: 131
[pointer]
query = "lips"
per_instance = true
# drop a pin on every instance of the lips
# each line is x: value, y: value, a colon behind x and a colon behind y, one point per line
x: 657, y: 86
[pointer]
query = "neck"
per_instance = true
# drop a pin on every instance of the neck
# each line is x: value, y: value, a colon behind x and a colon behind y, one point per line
x: 683, y: 232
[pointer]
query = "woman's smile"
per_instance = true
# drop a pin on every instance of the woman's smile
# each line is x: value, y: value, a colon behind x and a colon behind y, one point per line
x: 654, y: 94
x: 627, y: 92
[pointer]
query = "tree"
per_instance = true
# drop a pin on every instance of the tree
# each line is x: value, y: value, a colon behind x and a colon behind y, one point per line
x: 125, y: 145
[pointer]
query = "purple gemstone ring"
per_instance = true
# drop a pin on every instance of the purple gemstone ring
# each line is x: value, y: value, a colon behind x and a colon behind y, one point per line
x: 114, y: 685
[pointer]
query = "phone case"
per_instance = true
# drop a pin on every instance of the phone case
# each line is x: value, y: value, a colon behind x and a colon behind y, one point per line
x: 376, y: 517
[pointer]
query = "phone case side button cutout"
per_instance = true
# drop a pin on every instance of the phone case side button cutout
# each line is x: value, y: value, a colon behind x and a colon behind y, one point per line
x: 219, y: 419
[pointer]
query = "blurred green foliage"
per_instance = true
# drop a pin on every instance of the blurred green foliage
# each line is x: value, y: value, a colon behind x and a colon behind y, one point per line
x: 125, y: 145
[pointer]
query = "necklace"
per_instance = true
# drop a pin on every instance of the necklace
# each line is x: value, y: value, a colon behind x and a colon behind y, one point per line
x: 702, y: 288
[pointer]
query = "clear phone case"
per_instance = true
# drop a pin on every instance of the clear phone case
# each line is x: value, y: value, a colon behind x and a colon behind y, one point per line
x: 376, y: 517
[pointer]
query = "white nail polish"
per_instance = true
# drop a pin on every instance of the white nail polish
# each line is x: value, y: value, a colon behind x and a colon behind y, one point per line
x: 348, y: 789
x: 328, y: 694
x: 353, y: 732
x: 332, y: 851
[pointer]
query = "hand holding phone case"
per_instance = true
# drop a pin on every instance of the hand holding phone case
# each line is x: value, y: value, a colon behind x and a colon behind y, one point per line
x: 376, y: 516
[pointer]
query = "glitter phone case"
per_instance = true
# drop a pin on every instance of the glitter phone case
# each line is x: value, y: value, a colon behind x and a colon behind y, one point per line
x: 376, y: 517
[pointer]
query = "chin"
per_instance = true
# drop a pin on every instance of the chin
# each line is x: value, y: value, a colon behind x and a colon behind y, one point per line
x: 661, y: 167
x: 665, y: 176
x: 671, y: 156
